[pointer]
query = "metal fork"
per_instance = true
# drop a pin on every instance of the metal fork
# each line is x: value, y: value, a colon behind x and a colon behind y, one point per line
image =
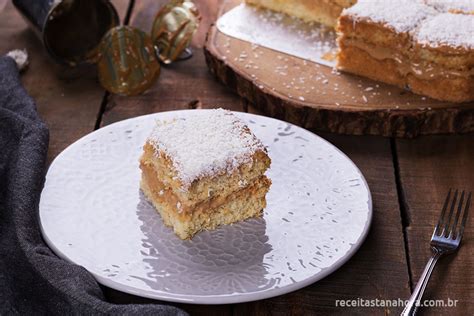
x: 446, y: 239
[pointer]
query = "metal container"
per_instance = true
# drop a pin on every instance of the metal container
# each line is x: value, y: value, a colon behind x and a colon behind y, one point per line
x: 71, y: 30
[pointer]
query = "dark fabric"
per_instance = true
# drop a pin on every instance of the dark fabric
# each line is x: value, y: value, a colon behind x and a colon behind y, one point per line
x: 32, y: 279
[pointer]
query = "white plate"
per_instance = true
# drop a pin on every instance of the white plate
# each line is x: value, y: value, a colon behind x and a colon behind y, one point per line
x: 93, y: 214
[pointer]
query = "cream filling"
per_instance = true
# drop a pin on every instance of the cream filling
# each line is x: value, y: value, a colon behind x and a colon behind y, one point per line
x: 206, y: 187
x: 165, y: 195
x: 405, y: 66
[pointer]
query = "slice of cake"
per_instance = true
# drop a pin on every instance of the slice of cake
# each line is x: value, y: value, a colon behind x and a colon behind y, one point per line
x: 374, y: 38
x: 203, y: 171
x: 322, y: 11
x: 410, y: 44
x: 443, y: 58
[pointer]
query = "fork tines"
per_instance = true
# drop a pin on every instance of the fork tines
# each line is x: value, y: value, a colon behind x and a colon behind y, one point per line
x: 448, y: 228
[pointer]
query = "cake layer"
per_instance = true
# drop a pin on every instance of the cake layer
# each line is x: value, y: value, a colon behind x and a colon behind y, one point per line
x: 245, y: 203
x: 159, y: 166
x: 356, y: 60
x: 420, y: 61
x: 375, y: 34
x: 442, y: 87
x: 169, y: 196
x: 322, y: 11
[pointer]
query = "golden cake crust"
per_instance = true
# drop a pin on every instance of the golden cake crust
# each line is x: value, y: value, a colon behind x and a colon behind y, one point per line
x: 203, y: 188
x: 322, y: 11
x: 359, y: 62
x: 246, y: 203
x: 189, y: 202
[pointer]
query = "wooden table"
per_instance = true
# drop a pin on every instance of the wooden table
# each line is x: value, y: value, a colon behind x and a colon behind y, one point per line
x: 409, y: 178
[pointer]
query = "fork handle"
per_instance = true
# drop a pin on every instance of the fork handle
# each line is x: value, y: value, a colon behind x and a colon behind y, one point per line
x: 417, y: 295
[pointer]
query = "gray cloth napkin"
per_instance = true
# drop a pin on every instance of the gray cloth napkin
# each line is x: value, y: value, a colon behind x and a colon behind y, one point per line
x: 32, y: 279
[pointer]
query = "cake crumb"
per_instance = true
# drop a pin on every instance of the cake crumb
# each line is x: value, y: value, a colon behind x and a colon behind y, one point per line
x: 20, y: 56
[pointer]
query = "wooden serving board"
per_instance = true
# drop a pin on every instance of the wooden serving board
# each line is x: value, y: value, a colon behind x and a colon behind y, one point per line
x: 318, y: 98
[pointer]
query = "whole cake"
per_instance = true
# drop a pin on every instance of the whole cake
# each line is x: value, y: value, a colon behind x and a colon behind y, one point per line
x: 426, y: 46
x: 203, y: 171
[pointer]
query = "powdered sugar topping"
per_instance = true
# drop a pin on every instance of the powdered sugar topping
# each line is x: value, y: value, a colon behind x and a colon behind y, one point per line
x: 458, y: 6
x: 204, y: 144
x: 447, y: 29
x: 400, y: 15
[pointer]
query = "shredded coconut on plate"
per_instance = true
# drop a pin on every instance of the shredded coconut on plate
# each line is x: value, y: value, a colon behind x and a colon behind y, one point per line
x: 466, y: 6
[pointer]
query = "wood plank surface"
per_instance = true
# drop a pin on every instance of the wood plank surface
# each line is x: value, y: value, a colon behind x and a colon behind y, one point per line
x: 67, y: 99
x: 429, y: 167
